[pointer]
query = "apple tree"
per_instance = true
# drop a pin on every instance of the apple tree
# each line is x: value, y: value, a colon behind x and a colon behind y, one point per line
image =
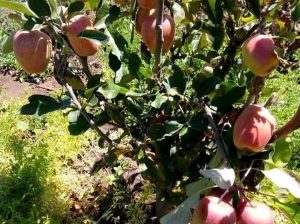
x: 183, y: 88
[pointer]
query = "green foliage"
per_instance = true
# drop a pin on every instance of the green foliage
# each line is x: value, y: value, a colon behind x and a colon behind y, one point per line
x: 173, y: 113
x: 33, y: 153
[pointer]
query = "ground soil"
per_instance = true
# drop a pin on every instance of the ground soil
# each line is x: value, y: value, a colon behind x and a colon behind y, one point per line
x: 12, y: 88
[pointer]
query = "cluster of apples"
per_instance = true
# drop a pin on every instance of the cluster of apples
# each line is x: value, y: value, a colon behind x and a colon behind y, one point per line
x: 255, y: 126
x: 145, y: 25
x: 33, y: 49
x: 215, y: 210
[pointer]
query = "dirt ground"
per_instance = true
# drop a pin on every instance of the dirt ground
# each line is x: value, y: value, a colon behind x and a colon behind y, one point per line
x: 11, y: 88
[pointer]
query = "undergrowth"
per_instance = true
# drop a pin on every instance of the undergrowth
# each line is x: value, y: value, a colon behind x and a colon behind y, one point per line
x: 32, y: 154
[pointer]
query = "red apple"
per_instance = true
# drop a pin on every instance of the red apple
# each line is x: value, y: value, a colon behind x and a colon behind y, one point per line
x: 219, y: 192
x: 259, y: 55
x: 213, y: 211
x: 32, y: 50
x: 141, y: 15
x: 149, y: 32
x: 254, y: 213
x: 82, y: 46
x: 147, y: 4
x: 253, y: 129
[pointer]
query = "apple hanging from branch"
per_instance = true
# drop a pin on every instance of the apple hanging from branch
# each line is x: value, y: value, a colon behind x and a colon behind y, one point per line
x: 33, y: 50
x: 259, y: 55
x: 253, y: 129
x: 149, y: 32
x: 212, y: 210
x: 82, y: 46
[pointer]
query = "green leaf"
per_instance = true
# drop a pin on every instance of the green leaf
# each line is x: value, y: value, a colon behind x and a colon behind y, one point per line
x: 75, y: 7
x: 7, y: 46
x: 16, y: 6
x: 254, y: 7
x: 159, y: 101
x: 172, y: 127
x: 182, y: 214
x: 283, y: 179
x: 207, y: 86
x: 227, y: 99
x: 134, y: 64
x: 77, y: 123
x: 111, y: 90
x: 133, y: 107
x: 94, y: 35
x: 114, y: 62
x: 54, y: 6
x: 223, y: 177
x: 92, y: 4
x: 291, y: 210
x: 40, y: 7
x: 282, y: 152
x: 177, y: 80
x: 147, y: 73
x: 296, y: 12
x: 200, y: 185
x: 40, y: 105
x: 198, y: 122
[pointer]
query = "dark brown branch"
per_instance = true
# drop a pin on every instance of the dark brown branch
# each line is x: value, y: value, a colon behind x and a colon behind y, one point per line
x: 289, y: 127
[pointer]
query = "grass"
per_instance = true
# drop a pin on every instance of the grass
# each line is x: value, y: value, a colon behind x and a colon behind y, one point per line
x: 288, y: 93
x: 33, y: 153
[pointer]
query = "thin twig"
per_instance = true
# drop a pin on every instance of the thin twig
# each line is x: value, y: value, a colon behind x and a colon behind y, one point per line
x: 60, y: 65
x: 220, y: 144
x: 86, y: 116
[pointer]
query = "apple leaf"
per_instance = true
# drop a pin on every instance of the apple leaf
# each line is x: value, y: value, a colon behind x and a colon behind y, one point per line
x: 75, y: 6
x: 282, y: 153
x: 296, y: 13
x: 7, y: 46
x: 16, y: 6
x: 283, y: 179
x: 254, y: 7
x: 201, y: 185
x: 291, y: 210
x: 40, y: 7
x: 223, y: 177
x: 182, y: 214
x: 94, y: 35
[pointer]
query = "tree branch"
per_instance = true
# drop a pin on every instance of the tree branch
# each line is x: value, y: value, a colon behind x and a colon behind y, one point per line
x: 60, y: 66
x: 218, y: 139
x: 159, y: 39
x: 289, y: 127
x: 85, y: 115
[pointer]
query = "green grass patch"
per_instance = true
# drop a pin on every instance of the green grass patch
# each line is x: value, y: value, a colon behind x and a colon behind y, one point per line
x: 288, y: 91
x: 34, y: 155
